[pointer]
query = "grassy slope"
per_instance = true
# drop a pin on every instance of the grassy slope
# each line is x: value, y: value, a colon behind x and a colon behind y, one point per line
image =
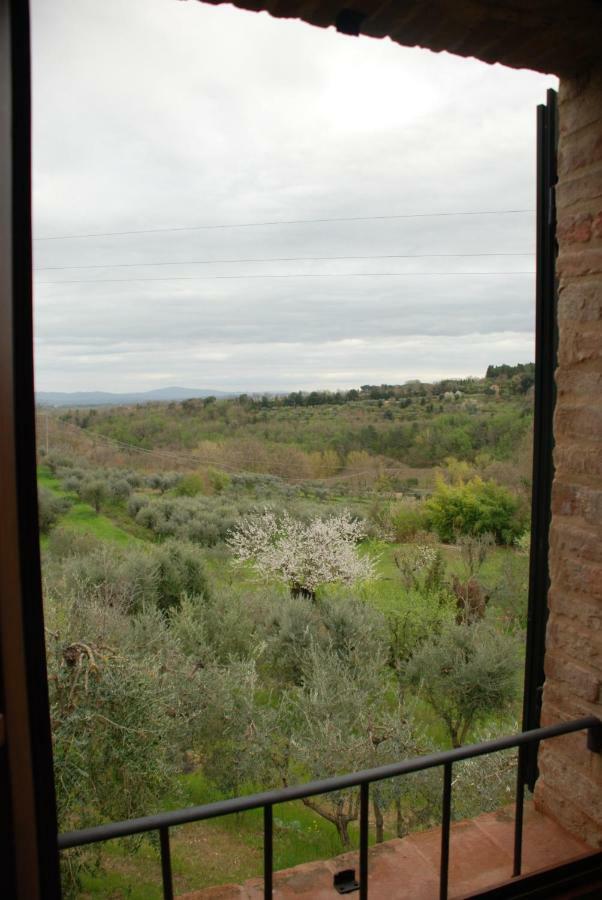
x: 203, y: 852
x: 81, y: 516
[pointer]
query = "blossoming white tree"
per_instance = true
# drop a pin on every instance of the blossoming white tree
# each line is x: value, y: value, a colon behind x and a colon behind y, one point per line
x: 303, y: 556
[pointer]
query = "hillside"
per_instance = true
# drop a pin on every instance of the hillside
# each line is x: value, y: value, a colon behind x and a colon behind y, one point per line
x: 104, y: 398
x: 398, y: 432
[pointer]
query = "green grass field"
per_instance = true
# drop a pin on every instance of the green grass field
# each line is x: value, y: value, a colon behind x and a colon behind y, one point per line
x: 82, y: 517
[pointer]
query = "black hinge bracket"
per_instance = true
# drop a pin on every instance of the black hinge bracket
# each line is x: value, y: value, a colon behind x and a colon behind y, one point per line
x: 594, y: 738
x: 344, y: 882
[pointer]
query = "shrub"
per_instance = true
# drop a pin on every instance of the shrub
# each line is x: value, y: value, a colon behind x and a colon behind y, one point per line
x: 180, y: 572
x: 475, y: 508
x: 132, y: 578
x: 94, y: 492
x: 190, y: 486
x: 408, y: 520
x: 119, y: 488
x: 50, y: 508
x: 64, y: 542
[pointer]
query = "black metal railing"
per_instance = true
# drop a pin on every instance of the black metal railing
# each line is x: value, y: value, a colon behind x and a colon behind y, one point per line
x: 266, y: 800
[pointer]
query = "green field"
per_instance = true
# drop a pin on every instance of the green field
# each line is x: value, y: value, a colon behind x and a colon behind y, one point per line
x: 81, y: 517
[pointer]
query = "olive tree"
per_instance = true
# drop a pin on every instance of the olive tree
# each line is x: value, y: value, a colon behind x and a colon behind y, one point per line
x: 337, y: 721
x: 466, y: 672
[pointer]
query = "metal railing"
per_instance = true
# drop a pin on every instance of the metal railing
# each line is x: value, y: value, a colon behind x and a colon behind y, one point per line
x: 266, y: 800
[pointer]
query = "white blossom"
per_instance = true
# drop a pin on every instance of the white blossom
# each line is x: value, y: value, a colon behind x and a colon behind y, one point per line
x: 304, y: 556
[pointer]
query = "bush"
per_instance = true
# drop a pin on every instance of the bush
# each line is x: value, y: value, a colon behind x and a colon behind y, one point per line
x: 190, y: 486
x: 475, y: 508
x: 133, y: 578
x: 407, y: 520
x: 180, y: 572
x: 94, y: 492
x: 50, y: 508
x: 64, y: 542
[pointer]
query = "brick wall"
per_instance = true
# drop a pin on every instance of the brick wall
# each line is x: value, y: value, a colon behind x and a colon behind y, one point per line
x: 570, y: 787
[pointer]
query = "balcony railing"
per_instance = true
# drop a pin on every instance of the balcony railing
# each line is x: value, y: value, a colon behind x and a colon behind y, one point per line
x: 266, y: 800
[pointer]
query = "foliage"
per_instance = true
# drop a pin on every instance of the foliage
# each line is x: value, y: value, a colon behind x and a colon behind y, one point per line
x: 190, y: 485
x: 242, y: 681
x: 94, y: 492
x: 475, y: 508
x: 50, y: 508
x: 348, y: 627
x: 407, y: 520
x: 130, y: 578
x: 465, y: 673
x: 302, y: 556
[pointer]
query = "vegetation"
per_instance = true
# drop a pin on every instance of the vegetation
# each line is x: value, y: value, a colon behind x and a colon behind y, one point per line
x: 477, y: 507
x: 279, y: 589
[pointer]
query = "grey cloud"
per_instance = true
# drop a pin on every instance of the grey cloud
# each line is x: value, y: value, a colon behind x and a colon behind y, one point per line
x: 153, y: 113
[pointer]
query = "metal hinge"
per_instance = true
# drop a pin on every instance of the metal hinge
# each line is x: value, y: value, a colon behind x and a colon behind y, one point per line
x: 344, y: 882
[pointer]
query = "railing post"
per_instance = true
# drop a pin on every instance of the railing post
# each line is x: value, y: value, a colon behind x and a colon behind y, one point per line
x: 268, y: 852
x: 519, y: 810
x: 445, y: 828
x: 594, y: 738
x: 364, y: 808
x: 166, y: 864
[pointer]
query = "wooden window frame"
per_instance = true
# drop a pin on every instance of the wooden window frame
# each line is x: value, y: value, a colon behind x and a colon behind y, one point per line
x: 28, y: 822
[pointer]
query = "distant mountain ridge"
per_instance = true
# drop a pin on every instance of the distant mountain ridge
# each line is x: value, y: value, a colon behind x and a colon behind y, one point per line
x: 105, y: 398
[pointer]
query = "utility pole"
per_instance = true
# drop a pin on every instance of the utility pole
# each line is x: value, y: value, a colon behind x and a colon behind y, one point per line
x: 46, y: 418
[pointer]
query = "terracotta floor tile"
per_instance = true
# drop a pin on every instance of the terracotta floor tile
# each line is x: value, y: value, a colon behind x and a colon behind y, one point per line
x: 544, y: 842
x: 481, y: 853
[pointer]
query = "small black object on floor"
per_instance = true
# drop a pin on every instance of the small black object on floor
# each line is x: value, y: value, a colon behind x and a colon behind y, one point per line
x: 345, y: 883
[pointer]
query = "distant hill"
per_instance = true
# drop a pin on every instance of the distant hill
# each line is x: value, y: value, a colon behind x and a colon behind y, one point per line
x: 104, y: 398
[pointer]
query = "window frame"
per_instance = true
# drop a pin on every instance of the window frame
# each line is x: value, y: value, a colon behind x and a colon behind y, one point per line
x: 28, y: 820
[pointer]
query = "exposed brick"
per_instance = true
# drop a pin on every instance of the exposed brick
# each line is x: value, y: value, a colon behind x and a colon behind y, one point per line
x: 569, y: 705
x: 574, y: 641
x: 576, y: 383
x: 579, y: 103
x: 578, y: 576
x: 570, y: 785
x: 581, y: 460
x: 584, y: 188
x: 580, y: 301
x: 584, y: 261
x: 581, y: 681
x: 587, y: 613
x: 579, y: 421
x: 579, y: 150
x: 552, y: 802
x: 570, y: 538
x: 583, y: 791
x: 575, y: 228
x: 578, y: 500
x: 572, y: 747
x: 582, y: 344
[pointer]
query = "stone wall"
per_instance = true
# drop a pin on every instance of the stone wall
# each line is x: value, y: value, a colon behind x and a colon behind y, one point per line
x: 570, y: 786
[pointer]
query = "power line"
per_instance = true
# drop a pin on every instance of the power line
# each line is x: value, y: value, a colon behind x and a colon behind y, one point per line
x: 270, y: 259
x: 433, y: 215
x: 274, y: 275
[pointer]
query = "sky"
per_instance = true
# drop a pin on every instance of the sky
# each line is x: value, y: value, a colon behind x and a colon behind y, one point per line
x: 191, y: 127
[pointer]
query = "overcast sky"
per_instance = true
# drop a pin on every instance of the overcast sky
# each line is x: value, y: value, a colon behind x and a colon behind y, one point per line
x: 152, y: 114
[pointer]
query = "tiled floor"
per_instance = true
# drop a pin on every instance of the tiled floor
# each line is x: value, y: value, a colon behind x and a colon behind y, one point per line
x: 480, y: 855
